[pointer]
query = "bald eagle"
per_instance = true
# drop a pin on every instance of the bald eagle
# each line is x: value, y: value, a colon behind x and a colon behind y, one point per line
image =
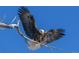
x: 29, y: 26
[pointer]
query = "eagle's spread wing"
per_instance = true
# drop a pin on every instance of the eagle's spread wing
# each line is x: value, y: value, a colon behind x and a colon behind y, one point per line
x: 28, y: 23
x: 53, y: 35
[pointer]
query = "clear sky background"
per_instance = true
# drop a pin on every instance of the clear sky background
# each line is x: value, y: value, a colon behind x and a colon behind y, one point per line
x: 46, y: 18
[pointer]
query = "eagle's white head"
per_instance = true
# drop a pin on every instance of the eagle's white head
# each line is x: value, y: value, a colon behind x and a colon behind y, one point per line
x: 42, y: 31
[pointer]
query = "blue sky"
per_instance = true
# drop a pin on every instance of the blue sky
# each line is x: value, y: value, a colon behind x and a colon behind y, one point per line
x: 52, y: 17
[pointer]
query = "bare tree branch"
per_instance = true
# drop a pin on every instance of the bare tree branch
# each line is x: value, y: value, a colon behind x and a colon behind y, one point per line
x: 3, y: 25
x: 16, y: 26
